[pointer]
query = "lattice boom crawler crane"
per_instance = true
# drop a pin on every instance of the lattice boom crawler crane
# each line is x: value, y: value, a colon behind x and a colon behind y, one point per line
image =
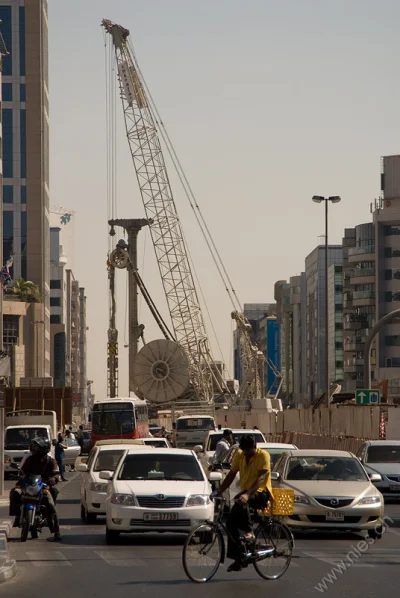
x: 160, y: 209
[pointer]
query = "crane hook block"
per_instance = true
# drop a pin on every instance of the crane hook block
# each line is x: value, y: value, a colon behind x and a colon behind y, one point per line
x: 119, y: 258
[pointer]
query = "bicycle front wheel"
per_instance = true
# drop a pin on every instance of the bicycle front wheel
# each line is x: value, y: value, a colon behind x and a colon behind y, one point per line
x: 276, y: 536
x: 202, y: 553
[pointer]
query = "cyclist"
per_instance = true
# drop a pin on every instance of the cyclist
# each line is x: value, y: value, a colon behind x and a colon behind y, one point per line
x: 254, y: 467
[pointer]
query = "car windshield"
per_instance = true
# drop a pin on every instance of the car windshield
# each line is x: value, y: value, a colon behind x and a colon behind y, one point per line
x: 157, y: 443
x: 383, y: 454
x: 215, y: 438
x: 19, y: 438
x: 275, y: 453
x: 197, y: 423
x: 161, y: 466
x: 325, y: 468
x: 107, y: 460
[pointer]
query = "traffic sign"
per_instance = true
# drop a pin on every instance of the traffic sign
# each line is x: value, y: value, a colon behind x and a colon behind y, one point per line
x: 368, y: 397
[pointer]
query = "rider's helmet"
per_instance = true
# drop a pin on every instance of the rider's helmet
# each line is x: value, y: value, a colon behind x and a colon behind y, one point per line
x: 40, y: 445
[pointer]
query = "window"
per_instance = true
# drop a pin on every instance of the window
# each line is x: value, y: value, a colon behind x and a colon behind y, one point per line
x: 160, y: 466
x: 23, y: 245
x: 22, y: 92
x: 338, y: 326
x: 22, y: 41
x: 55, y: 284
x: 6, y: 30
x: 7, y: 92
x: 23, y: 195
x: 388, y: 296
x: 55, y: 301
x: 8, y: 234
x: 55, y: 319
x: 7, y: 143
x: 23, y: 143
x: 107, y: 460
x: 8, y: 194
x: 392, y: 230
x: 392, y: 341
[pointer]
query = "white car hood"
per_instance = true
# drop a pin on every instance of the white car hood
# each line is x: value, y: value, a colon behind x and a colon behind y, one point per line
x: 385, y: 468
x: 330, y: 488
x: 167, y: 487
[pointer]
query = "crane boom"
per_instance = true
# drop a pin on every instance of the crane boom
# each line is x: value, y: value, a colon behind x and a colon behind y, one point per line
x: 166, y: 232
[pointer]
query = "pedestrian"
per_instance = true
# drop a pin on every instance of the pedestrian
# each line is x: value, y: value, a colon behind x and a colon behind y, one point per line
x: 71, y: 434
x: 68, y: 437
x: 59, y: 454
x: 79, y: 437
x: 255, y: 428
x: 222, y: 448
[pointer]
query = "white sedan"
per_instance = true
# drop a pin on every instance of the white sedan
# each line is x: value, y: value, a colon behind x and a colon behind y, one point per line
x: 103, y: 457
x: 332, y: 490
x: 157, y: 490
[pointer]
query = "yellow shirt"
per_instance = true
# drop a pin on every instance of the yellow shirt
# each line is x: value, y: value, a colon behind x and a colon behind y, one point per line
x: 249, y: 471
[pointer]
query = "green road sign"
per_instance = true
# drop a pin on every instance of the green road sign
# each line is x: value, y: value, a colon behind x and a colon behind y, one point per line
x: 368, y: 397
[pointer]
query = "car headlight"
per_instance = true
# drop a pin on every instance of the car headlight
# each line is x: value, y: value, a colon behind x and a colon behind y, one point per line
x: 198, y: 500
x: 98, y: 487
x: 127, y: 500
x: 300, y: 499
x: 369, y: 500
x: 7, y: 459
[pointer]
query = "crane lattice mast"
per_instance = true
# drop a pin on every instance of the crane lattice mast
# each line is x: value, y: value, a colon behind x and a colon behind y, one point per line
x: 160, y: 208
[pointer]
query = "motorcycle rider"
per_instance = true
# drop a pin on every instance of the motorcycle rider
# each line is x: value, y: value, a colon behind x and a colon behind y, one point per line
x: 39, y: 463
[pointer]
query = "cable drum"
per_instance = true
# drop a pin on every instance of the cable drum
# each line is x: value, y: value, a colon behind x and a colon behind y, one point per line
x: 161, y: 371
x: 119, y: 258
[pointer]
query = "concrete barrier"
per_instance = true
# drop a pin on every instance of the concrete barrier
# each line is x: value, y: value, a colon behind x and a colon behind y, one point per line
x: 8, y: 567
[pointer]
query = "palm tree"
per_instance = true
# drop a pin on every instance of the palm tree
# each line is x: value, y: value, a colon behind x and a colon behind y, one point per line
x: 27, y: 290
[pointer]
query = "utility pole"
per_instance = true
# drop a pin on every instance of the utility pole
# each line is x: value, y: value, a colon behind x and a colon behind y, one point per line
x: 132, y: 227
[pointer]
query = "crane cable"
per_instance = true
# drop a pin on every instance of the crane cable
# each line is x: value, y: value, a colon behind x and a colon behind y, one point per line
x: 190, y: 194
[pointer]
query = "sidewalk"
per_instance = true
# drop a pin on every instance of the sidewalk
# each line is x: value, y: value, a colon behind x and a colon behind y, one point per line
x: 8, y: 567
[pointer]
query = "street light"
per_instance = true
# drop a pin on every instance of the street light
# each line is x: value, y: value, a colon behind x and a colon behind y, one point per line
x: 320, y: 199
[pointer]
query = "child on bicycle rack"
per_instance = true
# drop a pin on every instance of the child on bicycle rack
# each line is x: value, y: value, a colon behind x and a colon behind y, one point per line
x: 254, y: 467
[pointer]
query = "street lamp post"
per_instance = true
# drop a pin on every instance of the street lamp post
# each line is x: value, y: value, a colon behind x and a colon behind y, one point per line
x: 320, y: 199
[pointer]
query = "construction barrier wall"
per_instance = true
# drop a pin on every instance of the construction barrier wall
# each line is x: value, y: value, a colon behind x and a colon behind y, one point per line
x: 342, y: 427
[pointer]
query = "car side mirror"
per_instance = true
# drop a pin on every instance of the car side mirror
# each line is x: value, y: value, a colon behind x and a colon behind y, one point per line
x: 275, y: 476
x: 82, y: 467
x: 198, y: 448
x: 215, y: 476
x: 14, y: 466
x: 375, y: 477
x: 105, y: 475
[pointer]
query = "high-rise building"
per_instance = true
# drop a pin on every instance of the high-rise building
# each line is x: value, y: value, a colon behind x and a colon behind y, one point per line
x: 284, y: 314
x: 25, y: 116
x: 316, y: 322
x: 335, y: 324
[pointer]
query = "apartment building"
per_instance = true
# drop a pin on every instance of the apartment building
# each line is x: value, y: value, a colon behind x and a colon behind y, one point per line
x: 316, y: 325
x: 25, y: 123
x: 335, y: 324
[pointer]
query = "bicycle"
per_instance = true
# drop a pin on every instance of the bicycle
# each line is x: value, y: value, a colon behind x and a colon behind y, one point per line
x: 207, y: 542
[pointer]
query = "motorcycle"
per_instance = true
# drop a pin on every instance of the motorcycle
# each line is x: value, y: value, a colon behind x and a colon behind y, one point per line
x: 33, y: 513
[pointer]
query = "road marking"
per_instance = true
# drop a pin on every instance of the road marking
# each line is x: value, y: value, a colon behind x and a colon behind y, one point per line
x: 48, y: 559
x: 116, y: 559
x: 335, y: 560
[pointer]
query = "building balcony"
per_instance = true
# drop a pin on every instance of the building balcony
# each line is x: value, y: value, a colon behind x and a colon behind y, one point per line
x: 361, y: 254
x: 363, y: 298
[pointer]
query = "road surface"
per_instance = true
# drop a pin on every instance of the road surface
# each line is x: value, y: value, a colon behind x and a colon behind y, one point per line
x: 150, y: 564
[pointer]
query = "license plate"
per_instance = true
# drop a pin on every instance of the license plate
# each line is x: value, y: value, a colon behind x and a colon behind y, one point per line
x: 29, y: 498
x: 334, y: 516
x: 160, y: 516
x: 394, y: 488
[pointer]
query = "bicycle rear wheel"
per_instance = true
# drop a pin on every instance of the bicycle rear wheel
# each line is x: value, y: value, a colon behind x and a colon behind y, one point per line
x: 202, y: 553
x: 278, y: 536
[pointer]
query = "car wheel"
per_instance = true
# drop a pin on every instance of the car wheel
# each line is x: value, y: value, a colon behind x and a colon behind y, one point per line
x: 111, y: 536
x: 376, y: 533
x: 91, y: 517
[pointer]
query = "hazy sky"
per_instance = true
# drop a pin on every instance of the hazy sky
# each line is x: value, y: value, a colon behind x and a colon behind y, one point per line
x: 267, y: 104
